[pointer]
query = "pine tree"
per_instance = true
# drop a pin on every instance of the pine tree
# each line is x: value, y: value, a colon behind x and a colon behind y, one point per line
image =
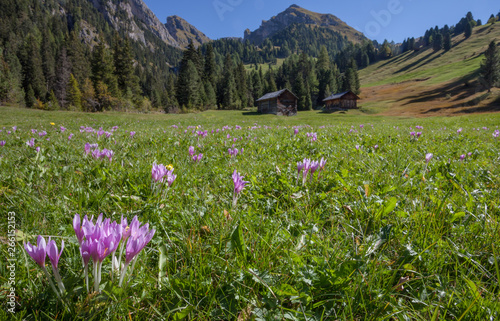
x: 438, y: 42
x: 447, y: 41
x: 103, y: 70
x: 210, y: 72
x: 76, y: 52
x: 271, y: 82
x: 229, y: 94
x: 63, y: 77
x: 490, y: 67
x: 89, y: 101
x: 211, y: 98
x: 128, y: 82
x: 300, y: 91
x: 257, y: 86
x: 241, y: 84
x: 74, y: 93
x: 32, y: 69
x: 52, y: 103
x: 468, y: 29
x: 323, y: 59
x: 188, y: 85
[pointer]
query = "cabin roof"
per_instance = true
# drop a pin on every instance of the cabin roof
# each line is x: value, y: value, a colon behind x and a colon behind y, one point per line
x: 340, y: 95
x: 275, y: 94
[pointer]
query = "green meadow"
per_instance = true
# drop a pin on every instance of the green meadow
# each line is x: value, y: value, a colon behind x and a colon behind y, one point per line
x: 380, y: 233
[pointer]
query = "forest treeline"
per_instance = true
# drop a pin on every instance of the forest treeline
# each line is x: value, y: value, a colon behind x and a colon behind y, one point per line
x: 65, y: 55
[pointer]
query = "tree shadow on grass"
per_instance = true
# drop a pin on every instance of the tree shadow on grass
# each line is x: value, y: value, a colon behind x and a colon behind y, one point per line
x: 461, y: 86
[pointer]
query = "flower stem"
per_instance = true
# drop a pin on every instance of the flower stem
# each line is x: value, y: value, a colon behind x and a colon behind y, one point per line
x: 124, y: 271
x: 50, y: 282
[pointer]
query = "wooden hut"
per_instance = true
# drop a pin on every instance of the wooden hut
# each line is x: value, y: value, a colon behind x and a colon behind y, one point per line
x: 345, y: 100
x: 281, y: 103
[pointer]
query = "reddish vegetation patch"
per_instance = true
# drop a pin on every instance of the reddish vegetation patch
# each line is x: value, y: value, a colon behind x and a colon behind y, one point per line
x: 414, y: 98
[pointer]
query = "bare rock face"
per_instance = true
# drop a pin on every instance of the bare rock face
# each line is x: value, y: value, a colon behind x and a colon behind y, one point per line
x: 135, y: 18
x: 183, y: 32
x: 297, y: 15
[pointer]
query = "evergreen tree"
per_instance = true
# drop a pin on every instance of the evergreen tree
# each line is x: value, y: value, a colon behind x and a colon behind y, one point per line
x: 323, y: 59
x: 128, y: 82
x: 210, y: 72
x: 52, y: 103
x: 30, y: 98
x: 32, y: 69
x: 271, y: 82
x: 63, y: 77
x: 74, y: 93
x: 241, y: 84
x: 76, y: 52
x: 490, y: 67
x: 229, y: 95
x: 188, y: 85
x: 300, y: 91
x: 468, y: 29
x: 211, y: 98
x: 103, y: 70
x: 257, y: 86
x: 438, y: 42
x: 447, y: 41
x: 89, y: 101
x: 48, y: 59
x: 351, y: 79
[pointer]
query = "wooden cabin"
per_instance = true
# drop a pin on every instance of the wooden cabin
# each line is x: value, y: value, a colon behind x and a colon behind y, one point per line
x: 345, y: 100
x: 281, y: 103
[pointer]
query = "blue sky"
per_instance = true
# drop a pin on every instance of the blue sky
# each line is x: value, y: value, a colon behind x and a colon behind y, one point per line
x: 379, y: 20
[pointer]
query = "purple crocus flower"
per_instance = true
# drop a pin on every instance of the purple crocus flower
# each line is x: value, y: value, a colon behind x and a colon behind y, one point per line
x: 139, y: 238
x: 428, y: 157
x: 132, y: 134
x: 322, y: 163
x: 2, y: 142
x: 295, y: 131
x: 462, y: 157
x: 459, y: 130
x: 52, y: 252
x: 31, y: 142
x: 239, y: 185
x: 70, y: 136
x: 191, y: 150
x: 157, y: 172
x: 412, y: 133
x: 62, y: 129
x: 197, y: 158
x: 171, y: 177
x: 42, y: 133
x: 54, y: 256
x: 77, y: 227
x: 37, y: 149
x: 38, y: 252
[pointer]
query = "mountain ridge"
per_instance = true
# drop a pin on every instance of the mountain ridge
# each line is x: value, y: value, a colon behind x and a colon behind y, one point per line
x: 184, y: 32
x: 295, y: 14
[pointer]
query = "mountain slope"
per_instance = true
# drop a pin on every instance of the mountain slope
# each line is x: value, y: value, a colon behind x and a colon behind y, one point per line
x: 297, y: 15
x: 183, y: 32
x: 135, y: 17
x: 428, y: 83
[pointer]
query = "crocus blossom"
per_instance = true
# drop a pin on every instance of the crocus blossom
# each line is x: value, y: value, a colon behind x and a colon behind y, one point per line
x: 428, y: 157
x: 239, y: 185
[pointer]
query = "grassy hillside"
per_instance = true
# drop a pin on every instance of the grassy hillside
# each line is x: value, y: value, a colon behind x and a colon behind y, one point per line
x: 429, y: 82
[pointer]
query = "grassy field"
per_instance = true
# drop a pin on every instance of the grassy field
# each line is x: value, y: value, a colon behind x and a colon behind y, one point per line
x: 378, y: 234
